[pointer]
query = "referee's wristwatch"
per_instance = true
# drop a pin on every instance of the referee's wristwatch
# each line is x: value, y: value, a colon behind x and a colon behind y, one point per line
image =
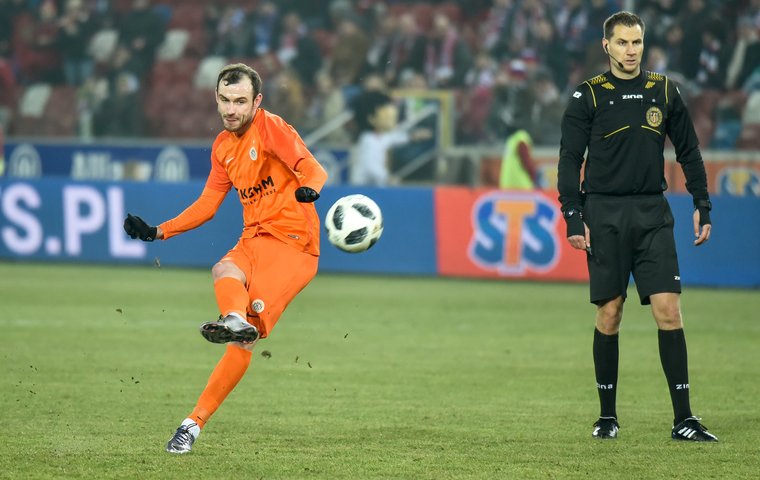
x: 704, y: 206
x: 574, y: 220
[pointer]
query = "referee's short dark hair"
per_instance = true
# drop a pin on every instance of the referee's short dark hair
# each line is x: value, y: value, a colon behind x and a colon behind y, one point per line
x: 624, y: 18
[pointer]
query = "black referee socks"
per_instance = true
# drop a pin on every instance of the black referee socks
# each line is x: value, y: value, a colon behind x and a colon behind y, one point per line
x: 675, y: 365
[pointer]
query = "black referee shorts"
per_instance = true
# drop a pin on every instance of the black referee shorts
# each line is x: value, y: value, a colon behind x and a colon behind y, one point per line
x: 631, y: 234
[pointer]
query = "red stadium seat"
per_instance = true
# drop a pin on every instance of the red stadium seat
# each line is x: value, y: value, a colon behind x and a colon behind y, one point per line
x: 749, y: 139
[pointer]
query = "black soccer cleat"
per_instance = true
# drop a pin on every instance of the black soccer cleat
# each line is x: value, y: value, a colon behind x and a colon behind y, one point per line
x: 183, y: 439
x: 606, y: 428
x: 229, y: 329
x: 693, y: 431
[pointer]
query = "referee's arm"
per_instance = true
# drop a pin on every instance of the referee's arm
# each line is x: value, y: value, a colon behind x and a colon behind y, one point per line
x: 684, y: 138
x: 576, y: 129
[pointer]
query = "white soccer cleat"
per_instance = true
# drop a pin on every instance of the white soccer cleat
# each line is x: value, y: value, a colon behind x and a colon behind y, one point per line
x: 184, y: 437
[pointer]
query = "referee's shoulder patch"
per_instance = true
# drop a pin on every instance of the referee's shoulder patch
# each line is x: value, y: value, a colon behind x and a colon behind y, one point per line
x: 655, y: 77
x: 599, y: 79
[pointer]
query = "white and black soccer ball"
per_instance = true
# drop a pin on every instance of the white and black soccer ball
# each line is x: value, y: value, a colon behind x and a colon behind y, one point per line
x: 354, y: 223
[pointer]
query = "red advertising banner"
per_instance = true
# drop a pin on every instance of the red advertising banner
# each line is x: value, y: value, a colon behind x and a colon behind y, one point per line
x: 503, y: 234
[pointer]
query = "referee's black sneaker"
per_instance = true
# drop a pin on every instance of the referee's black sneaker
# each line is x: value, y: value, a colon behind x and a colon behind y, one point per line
x: 693, y: 431
x: 606, y: 428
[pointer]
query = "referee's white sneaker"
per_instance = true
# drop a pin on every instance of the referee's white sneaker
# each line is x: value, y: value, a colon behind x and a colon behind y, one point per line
x: 693, y: 431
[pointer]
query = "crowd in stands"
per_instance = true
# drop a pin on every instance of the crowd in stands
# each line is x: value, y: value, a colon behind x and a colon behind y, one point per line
x: 147, y: 68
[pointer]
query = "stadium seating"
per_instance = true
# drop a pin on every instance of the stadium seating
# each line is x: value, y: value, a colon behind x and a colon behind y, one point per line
x: 45, y: 110
x: 173, y: 46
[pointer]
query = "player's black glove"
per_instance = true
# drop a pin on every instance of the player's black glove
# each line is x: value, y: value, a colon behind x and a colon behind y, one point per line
x: 704, y: 207
x: 137, y: 228
x: 306, y: 194
x: 574, y: 222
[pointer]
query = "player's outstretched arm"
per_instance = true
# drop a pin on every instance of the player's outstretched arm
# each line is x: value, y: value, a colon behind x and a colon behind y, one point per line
x: 136, y: 227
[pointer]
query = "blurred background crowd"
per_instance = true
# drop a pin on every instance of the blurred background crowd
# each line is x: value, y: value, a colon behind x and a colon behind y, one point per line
x: 147, y: 68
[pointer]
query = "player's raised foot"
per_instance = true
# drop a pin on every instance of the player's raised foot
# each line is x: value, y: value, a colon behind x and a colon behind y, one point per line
x: 229, y: 329
x: 606, y: 428
x: 693, y: 431
x: 184, y: 437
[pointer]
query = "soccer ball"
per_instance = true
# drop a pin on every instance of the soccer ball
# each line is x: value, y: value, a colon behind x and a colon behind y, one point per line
x: 354, y: 223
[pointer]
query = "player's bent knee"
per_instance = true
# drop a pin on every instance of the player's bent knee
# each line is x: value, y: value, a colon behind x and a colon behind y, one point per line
x: 226, y: 268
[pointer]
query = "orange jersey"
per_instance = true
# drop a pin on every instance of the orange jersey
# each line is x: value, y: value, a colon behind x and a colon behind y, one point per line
x: 265, y: 166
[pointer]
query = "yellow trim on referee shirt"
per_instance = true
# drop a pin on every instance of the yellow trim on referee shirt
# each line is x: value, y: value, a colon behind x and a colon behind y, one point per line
x: 652, y: 129
x: 616, y: 131
x: 593, y: 96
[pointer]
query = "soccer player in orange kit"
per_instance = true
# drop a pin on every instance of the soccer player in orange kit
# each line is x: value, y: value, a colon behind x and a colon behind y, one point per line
x: 276, y: 179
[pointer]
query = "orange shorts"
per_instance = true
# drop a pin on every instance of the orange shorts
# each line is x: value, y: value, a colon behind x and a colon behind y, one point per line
x: 275, y: 273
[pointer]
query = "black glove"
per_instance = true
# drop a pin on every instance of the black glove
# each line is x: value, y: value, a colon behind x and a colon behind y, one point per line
x: 704, y: 207
x: 306, y: 194
x: 137, y: 228
x: 574, y: 222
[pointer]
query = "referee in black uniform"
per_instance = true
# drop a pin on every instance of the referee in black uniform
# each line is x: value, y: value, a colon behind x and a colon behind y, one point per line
x: 619, y: 215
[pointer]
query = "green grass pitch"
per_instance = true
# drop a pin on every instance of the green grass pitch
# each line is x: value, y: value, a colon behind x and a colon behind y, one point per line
x: 366, y: 377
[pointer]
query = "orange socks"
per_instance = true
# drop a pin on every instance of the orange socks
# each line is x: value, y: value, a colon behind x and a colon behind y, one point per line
x: 225, y: 376
x: 231, y: 296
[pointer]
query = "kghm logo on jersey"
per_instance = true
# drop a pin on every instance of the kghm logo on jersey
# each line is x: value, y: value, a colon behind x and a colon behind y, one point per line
x: 514, y: 232
x: 654, y: 117
x: 254, y: 193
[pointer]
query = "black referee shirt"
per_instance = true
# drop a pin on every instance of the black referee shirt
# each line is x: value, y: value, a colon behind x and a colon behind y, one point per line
x: 624, y: 123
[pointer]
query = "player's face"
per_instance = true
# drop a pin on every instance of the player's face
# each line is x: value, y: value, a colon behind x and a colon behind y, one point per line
x: 237, y: 105
x: 626, y: 46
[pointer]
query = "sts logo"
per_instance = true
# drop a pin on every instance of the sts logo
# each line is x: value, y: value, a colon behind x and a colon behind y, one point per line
x: 514, y: 232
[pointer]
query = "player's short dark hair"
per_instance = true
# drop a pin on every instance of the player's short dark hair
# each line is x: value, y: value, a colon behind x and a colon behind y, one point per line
x: 233, y: 73
x: 624, y: 18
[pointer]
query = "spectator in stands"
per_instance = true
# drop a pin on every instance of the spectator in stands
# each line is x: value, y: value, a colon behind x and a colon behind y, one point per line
x: 544, y: 107
x: 349, y: 53
x: 518, y: 169
x: 713, y: 58
x: 364, y: 102
x: 371, y: 161
x: 120, y: 114
x: 692, y: 22
x: 231, y: 35
x: 405, y: 52
x: 506, y: 113
x: 494, y: 32
x: 35, y: 45
x: 77, y: 26
x: 264, y: 25
x: 141, y: 32
x: 9, y: 10
x: 552, y: 52
x: 295, y: 48
x: 286, y: 97
x: 572, y: 22
x: 660, y: 16
x: 326, y: 103
x: 746, y: 55
x: 447, y: 56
